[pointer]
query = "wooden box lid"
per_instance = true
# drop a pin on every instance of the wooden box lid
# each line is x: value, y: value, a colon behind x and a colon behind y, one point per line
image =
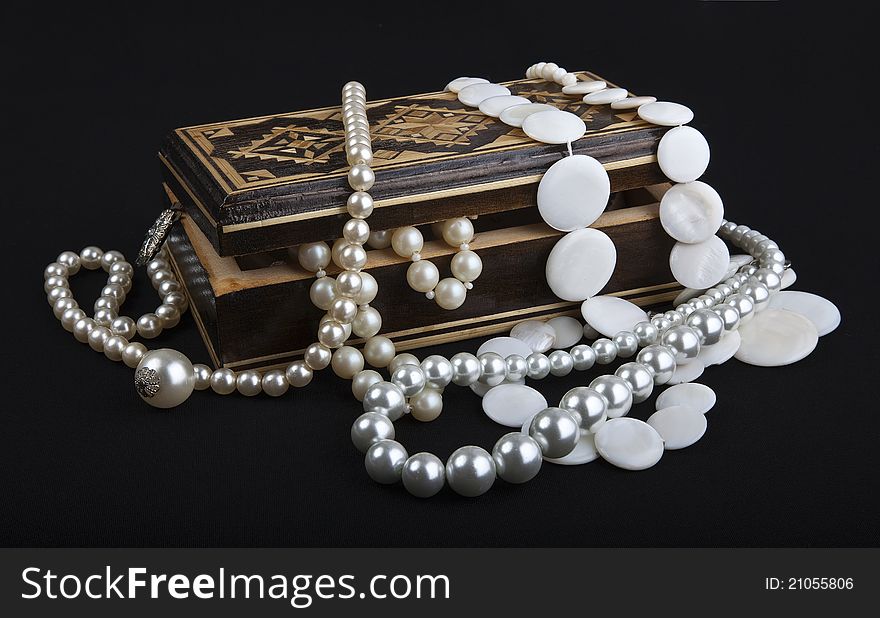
x: 275, y: 181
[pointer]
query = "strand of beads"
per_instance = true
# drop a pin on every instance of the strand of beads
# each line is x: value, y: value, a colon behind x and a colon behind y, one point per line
x: 423, y: 276
x: 551, y: 72
x: 670, y: 340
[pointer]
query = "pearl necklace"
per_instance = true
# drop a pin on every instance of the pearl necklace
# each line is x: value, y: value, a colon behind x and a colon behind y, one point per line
x: 165, y: 378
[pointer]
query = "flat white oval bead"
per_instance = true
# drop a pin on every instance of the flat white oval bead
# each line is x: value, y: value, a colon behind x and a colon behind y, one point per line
x: 479, y: 389
x: 568, y: 331
x: 665, y: 114
x: 512, y: 404
x: 493, y: 106
x: 788, y: 278
x: 505, y: 346
x: 514, y: 116
x: 604, y: 97
x: 475, y: 94
x: 554, y: 127
x: 584, y: 452
x: 462, y: 82
x: 700, y: 265
x: 565, y: 271
x: 573, y: 192
x: 679, y: 426
x: 722, y: 351
x: 632, y: 102
x: 629, y: 443
x: 538, y: 336
x: 586, y: 87
x: 824, y: 315
x: 609, y: 314
x: 688, y: 372
x: 691, y: 212
x: 683, y: 154
x: 697, y: 397
x: 776, y: 337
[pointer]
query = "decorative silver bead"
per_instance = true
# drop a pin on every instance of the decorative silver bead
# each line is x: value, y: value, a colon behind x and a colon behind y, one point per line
x: 385, y: 398
x: 249, y: 383
x: 517, y: 367
x: 583, y: 357
x: 588, y: 407
x: 683, y: 341
x: 466, y: 369
x: 470, y: 471
x: 384, y: 461
x: 708, y: 324
x: 557, y: 432
x: 729, y: 315
x: 369, y: 428
x: 639, y: 378
x: 438, y: 371
x: 617, y: 393
x: 646, y: 333
x: 493, y: 369
x: 223, y: 381
x: 274, y: 383
x: 410, y: 379
x: 539, y: 366
x: 660, y: 362
x: 164, y: 378
x: 202, y: 376
x: 561, y: 363
x: 606, y: 351
x: 423, y: 475
x: 627, y: 343
x: 517, y: 457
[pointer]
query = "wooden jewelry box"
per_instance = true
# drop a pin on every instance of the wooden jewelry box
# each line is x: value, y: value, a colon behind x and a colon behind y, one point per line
x: 254, y: 189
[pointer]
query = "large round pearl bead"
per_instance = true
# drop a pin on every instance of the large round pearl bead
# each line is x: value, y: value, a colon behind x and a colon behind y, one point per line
x: 331, y: 334
x: 164, y: 378
x: 683, y: 341
x: 466, y: 369
x: 517, y: 457
x: 369, y: 428
x: 347, y: 362
x: 380, y: 239
x: 343, y: 310
x: 367, y: 322
x: 369, y: 289
x: 744, y: 305
x: 249, y: 383
x: 458, y: 231
x: 606, y: 351
x: 708, y: 324
x: 313, y: 256
x: 362, y: 381
x: 729, y: 315
x: 223, y: 381
x: 470, y: 471
x: 646, y: 333
x: 659, y: 361
x: 385, y: 398
x: 561, y: 363
x: 438, y: 371
x: 426, y: 405
x: 517, y: 367
x: 384, y: 461
x: 133, y: 353
x: 349, y: 283
x: 466, y: 266
x: 422, y: 276
x: 360, y: 205
x: 617, y: 393
x: 323, y: 292
x: 379, y: 351
x: 406, y: 241
x: 639, y: 378
x: 149, y: 326
x: 583, y: 357
x: 410, y: 379
x: 299, y: 374
x: 423, y: 475
x: 356, y: 231
x: 556, y: 430
x: 627, y: 343
x: 587, y: 406
x: 352, y: 257
x: 493, y: 369
x: 361, y: 177
x: 450, y: 293
x: 274, y: 383
x: 539, y: 365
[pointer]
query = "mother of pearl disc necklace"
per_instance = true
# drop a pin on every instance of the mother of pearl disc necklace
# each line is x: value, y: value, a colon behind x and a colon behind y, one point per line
x: 732, y: 306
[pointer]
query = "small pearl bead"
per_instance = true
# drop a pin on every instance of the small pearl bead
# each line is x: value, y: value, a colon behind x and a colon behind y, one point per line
x: 367, y: 322
x: 299, y: 374
x: 331, y: 334
x: 97, y: 336
x: 407, y: 240
x: 91, y: 257
x: 109, y: 258
x: 149, y: 326
x: 104, y: 316
x: 402, y: 359
x: 155, y: 265
x: 422, y: 276
x: 249, y: 383
x: 133, y: 353
x: 123, y: 281
x: 223, y: 381
x: 323, y: 292
x: 493, y: 369
x: 360, y: 205
x: 202, y: 375
x: 56, y: 270
x: 169, y: 315
x: 356, y: 231
x: 178, y: 299
x: 362, y: 381
x: 55, y: 282
x: 63, y: 304
x: 606, y: 351
x: 274, y: 383
x: 379, y: 351
x: 352, y: 257
x: 121, y: 267
x: 71, y: 317
x: 539, y: 366
x: 380, y: 239
x: 343, y: 310
x: 123, y: 326
x: 450, y: 293
x: 361, y: 177
x: 82, y: 328
x: 466, y: 266
x: 317, y: 356
x: 57, y: 293
x: 458, y: 231
x: 114, y: 346
x: 347, y: 362
x: 561, y: 363
x: 426, y: 405
x: 71, y: 260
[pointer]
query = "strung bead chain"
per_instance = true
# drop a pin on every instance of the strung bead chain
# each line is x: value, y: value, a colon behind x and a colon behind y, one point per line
x: 659, y: 345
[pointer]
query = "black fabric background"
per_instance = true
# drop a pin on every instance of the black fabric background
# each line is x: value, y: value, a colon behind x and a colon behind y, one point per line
x: 787, y: 101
